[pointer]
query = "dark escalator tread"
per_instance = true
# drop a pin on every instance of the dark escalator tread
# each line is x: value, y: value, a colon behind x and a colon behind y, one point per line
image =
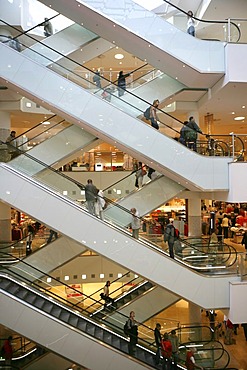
x: 116, y: 342
x: 30, y: 298
x: 4, y: 284
x: 90, y: 328
x: 64, y: 316
x: 56, y: 311
x: 73, y: 320
x: 107, y: 337
x: 99, y: 333
x: 21, y: 293
x: 48, y: 307
x: 39, y: 302
x: 81, y: 325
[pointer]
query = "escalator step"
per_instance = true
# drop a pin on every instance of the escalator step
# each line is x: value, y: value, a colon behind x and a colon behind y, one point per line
x: 99, y: 333
x: 12, y: 288
x: 4, y: 284
x: 39, y: 302
x: 90, y: 328
x: 73, y: 320
x: 107, y: 337
x: 21, y: 293
x: 47, y: 307
x: 81, y: 325
x: 30, y: 297
x: 56, y: 311
x: 64, y: 316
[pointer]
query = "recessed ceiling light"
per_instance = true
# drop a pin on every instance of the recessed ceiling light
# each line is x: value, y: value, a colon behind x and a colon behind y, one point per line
x: 119, y: 56
x: 233, y: 112
x: 239, y: 118
x: 243, y: 106
x: 46, y: 123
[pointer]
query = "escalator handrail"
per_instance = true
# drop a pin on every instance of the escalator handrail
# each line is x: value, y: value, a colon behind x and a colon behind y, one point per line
x: 67, y: 200
x: 125, y: 318
x: 131, y: 93
x: 205, y: 20
x: 104, y: 78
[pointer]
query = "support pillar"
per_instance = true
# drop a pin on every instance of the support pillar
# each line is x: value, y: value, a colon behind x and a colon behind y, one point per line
x: 194, y: 217
x: 195, y: 319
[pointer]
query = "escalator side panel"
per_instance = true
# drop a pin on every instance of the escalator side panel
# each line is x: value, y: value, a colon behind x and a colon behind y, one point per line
x: 66, y: 217
x: 60, y: 338
x: 113, y: 125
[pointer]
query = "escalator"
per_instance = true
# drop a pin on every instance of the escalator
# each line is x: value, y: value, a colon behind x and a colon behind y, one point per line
x: 61, y: 330
x: 113, y: 241
x: 59, y: 327
x: 157, y: 39
x: 114, y: 125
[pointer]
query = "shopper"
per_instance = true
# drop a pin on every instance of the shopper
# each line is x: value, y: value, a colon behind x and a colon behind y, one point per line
x: 7, y: 350
x: 91, y: 193
x: 106, y: 294
x: 52, y: 234
x: 191, y: 133
x: 170, y: 236
x: 225, y: 226
x: 133, y: 333
x: 135, y: 223
x: 190, y: 362
x: 12, y: 144
x: 122, y: 83
x: 48, y: 29
x: 153, y: 114
x: 166, y: 350
x: 190, y: 24
x: 157, y: 337
x: 175, y: 348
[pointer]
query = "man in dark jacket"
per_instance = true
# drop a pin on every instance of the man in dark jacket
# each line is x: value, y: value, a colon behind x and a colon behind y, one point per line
x: 91, y: 193
x: 157, y: 337
x: 191, y: 133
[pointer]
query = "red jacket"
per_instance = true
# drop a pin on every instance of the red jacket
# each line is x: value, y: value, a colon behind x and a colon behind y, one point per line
x: 188, y: 363
x: 8, y: 351
x: 166, y: 348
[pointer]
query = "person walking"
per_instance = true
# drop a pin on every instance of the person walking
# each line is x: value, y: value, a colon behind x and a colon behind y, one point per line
x: 166, y: 350
x: 48, y: 29
x: 91, y: 193
x: 191, y: 24
x: 97, y: 79
x: 30, y: 235
x: 106, y: 294
x: 225, y: 226
x: 153, y: 114
x: 8, y: 351
x: 133, y: 333
x: 157, y: 337
x: 121, y: 82
x: 140, y: 173
x: 52, y: 233
x: 191, y: 133
x: 170, y: 237
x: 135, y: 223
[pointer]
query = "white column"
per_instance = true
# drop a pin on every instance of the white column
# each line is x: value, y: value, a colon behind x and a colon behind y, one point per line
x: 194, y: 217
x: 195, y: 319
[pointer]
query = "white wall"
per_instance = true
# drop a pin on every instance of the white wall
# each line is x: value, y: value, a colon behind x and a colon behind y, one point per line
x: 238, y: 302
x: 237, y: 182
